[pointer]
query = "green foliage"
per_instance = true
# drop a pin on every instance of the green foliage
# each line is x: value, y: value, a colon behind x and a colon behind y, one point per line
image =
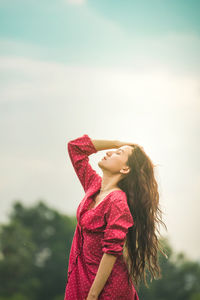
x: 57, y: 297
x: 195, y: 296
x: 14, y: 297
x: 34, y: 248
x: 180, y: 278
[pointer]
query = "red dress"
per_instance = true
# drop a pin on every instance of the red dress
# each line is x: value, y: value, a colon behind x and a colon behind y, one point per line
x: 99, y: 230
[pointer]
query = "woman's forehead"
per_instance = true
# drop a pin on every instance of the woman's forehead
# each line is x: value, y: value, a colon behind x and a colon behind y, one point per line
x: 127, y: 149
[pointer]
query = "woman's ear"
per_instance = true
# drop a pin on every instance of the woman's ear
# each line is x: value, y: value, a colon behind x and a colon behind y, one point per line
x: 125, y: 170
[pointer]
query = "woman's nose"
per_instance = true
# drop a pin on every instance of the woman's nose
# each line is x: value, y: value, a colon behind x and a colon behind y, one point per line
x: 108, y: 153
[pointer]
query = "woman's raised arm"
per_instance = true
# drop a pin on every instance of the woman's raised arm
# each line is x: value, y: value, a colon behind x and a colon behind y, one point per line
x: 79, y: 150
x: 104, y: 144
x: 109, y: 144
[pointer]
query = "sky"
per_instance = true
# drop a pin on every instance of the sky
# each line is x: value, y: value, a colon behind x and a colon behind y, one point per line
x: 122, y: 70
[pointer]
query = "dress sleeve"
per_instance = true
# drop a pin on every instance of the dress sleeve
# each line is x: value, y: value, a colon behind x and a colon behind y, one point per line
x: 118, y: 219
x: 79, y: 150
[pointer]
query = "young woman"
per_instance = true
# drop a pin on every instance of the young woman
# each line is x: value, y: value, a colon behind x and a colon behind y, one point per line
x: 115, y: 238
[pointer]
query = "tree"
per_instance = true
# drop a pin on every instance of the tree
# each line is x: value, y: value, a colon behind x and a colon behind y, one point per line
x: 180, y: 278
x: 35, y: 248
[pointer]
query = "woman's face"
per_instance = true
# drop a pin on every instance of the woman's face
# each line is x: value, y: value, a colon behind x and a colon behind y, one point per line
x: 115, y: 160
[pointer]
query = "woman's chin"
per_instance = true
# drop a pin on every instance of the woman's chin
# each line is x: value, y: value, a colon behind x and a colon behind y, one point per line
x: 100, y: 163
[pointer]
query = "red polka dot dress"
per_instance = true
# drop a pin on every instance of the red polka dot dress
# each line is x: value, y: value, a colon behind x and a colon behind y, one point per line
x: 99, y: 230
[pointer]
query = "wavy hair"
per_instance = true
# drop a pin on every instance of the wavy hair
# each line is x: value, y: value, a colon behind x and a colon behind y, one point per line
x: 142, y: 244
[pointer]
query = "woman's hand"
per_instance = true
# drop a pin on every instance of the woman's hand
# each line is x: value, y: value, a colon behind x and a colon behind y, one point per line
x: 120, y: 143
x: 91, y: 296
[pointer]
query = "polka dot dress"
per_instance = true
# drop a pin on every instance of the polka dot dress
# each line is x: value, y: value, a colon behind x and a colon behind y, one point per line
x: 99, y: 230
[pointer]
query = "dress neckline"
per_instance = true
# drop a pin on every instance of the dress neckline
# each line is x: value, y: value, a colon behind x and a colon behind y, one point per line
x: 93, y: 208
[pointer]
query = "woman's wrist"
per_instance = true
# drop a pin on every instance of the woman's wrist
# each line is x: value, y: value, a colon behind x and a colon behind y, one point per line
x: 109, y: 144
x: 104, y: 144
x: 120, y: 144
x: 92, y: 295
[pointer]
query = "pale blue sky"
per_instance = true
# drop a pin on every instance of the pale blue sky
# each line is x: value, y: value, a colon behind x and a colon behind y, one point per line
x: 96, y: 32
x: 127, y: 70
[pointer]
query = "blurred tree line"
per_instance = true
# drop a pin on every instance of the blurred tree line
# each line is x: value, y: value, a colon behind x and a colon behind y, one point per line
x: 34, y: 253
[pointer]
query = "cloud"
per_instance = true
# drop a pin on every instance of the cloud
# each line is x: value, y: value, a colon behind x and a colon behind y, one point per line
x: 159, y: 85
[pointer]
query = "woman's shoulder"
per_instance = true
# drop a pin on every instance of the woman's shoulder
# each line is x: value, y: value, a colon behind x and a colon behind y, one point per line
x: 118, y: 196
x: 118, y: 205
x: 118, y: 192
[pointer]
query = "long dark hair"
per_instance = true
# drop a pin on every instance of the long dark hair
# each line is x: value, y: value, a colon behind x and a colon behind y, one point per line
x: 142, y: 244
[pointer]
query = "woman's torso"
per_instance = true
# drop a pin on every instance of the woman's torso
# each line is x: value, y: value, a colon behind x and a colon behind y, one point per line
x: 97, y: 198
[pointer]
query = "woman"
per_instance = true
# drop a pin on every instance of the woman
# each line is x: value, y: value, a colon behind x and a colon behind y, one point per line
x: 115, y: 234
